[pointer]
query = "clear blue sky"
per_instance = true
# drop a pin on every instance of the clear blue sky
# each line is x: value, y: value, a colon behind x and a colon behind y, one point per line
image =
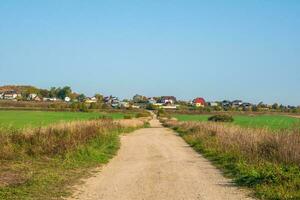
x: 246, y: 50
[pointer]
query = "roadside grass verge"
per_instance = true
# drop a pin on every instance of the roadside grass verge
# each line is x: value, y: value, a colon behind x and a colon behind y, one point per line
x: 43, y: 163
x: 267, y: 162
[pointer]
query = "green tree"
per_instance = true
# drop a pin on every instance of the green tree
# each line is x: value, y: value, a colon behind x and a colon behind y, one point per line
x: 64, y: 92
x: 75, y: 106
x: 255, y: 108
x: 139, y: 99
x: 99, y: 97
x: 94, y: 106
x: 83, y: 107
x: 53, y: 92
x: 81, y: 97
x: 44, y: 93
x: 275, y: 106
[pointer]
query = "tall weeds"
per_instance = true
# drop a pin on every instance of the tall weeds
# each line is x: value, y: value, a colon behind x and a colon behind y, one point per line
x: 266, y: 161
x: 41, y: 163
x: 253, y: 144
x: 53, y: 140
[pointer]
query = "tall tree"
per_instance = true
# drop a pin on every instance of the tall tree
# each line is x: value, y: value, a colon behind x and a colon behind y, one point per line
x: 64, y: 92
x: 53, y: 92
x: 99, y: 97
x: 44, y: 93
x: 81, y: 97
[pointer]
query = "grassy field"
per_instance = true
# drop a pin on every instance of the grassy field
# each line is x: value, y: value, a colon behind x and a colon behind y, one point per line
x: 21, y: 119
x: 274, y: 122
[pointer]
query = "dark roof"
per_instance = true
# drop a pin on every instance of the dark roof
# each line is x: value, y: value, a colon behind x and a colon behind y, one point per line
x: 10, y: 92
x: 168, y: 98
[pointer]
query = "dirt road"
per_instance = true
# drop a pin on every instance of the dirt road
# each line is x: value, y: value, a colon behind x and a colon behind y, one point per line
x: 155, y: 164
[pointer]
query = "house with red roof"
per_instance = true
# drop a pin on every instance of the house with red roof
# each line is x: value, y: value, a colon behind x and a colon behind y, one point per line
x: 199, y: 102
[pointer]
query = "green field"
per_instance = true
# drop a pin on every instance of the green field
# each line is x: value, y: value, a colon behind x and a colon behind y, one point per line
x: 274, y: 122
x: 21, y: 119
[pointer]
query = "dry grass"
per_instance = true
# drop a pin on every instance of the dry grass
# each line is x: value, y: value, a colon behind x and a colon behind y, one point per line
x: 53, y: 140
x: 57, y: 139
x: 56, y: 156
x: 253, y: 144
x: 266, y: 161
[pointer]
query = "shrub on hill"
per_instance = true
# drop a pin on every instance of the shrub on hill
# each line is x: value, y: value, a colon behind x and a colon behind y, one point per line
x: 163, y: 114
x: 142, y: 114
x: 127, y: 117
x: 221, y: 118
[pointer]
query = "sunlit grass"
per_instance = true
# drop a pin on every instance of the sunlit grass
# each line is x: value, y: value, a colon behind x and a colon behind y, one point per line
x: 257, y: 121
x: 22, y: 119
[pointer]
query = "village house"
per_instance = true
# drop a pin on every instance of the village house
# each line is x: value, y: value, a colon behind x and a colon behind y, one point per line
x: 198, y: 102
x: 226, y: 104
x: 11, y: 95
x: 115, y: 104
x: 151, y: 101
x: 112, y: 101
x: 91, y: 100
x: 1, y: 95
x: 213, y: 104
x: 94, y: 99
x: 124, y: 104
x: 168, y: 100
x: 236, y: 103
x: 67, y: 99
x: 50, y: 99
x: 33, y: 97
x: 246, y: 105
x: 37, y: 98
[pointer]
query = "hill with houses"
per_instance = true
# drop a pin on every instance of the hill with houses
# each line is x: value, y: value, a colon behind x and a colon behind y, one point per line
x: 25, y: 93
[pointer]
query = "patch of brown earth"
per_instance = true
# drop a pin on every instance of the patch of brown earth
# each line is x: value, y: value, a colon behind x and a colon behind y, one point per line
x: 9, y: 178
